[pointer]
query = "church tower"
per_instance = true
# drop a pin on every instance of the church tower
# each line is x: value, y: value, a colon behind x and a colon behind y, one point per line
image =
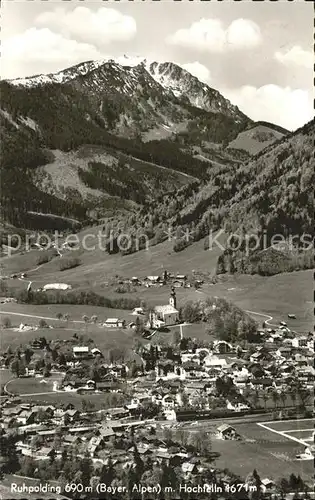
x: 172, y: 300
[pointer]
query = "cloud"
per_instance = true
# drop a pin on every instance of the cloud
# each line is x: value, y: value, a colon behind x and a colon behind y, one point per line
x: 209, y: 35
x: 243, y: 33
x: 290, y: 108
x: 199, y: 70
x: 42, y: 51
x: 100, y: 27
x: 296, y: 56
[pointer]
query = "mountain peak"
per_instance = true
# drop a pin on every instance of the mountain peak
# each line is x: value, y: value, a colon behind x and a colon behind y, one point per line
x: 170, y: 76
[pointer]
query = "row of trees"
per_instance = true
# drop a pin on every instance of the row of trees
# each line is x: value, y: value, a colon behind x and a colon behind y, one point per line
x: 76, y: 297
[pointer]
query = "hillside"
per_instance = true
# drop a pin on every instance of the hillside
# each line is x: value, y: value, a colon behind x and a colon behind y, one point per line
x: 258, y: 137
x: 267, y: 195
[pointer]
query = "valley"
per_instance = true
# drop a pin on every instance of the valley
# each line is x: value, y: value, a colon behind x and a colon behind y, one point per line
x: 135, y: 317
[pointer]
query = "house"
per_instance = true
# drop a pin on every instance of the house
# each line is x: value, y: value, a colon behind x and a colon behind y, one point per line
x: 95, y: 444
x: 181, y: 277
x: 267, y: 485
x: 106, y: 432
x: 261, y: 383
x: 106, y: 386
x: 152, y: 280
x: 116, y: 413
x: 88, y: 385
x: 137, y: 311
x: 71, y: 415
x: 48, y: 409
x: 169, y: 414
x: 164, y: 315
x: 44, y: 453
x: 215, y: 362
x: 81, y: 352
x: 310, y: 451
x: 226, y: 431
x: 134, y: 280
x: 189, y: 356
x: 237, y: 406
x: 300, y: 341
x: 114, y: 323
x: 96, y: 352
x: 168, y: 401
x: 26, y: 417
x: 189, y: 468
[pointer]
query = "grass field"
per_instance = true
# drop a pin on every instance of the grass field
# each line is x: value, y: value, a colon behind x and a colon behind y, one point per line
x: 31, y: 385
x: 50, y: 311
x: 273, y: 455
x: 104, y: 338
x: 276, y: 296
x: 5, y: 376
x: 100, y: 400
x: 298, y: 431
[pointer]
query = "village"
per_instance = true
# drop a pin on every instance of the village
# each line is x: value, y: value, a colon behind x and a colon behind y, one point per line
x: 165, y: 410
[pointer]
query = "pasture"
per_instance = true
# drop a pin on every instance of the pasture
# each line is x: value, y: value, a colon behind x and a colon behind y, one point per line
x: 272, y: 454
x: 98, y: 400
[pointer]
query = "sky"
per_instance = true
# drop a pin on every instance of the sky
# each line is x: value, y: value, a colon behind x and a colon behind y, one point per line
x: 259, y: 55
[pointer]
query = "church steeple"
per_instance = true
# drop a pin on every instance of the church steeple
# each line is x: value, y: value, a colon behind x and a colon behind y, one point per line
x: 172, y: 300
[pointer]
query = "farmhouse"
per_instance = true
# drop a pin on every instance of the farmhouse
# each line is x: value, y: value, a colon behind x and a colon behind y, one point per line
x: 152, y: 280
x: 137, y: 310
x: 80, y: 351
x: 310, y: 451
x: 114, y: 323
x: 267, y: 485
x: 300, y: 341
x: 226, y: 431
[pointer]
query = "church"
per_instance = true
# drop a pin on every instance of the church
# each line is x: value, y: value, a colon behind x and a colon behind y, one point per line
x: 165, y: 315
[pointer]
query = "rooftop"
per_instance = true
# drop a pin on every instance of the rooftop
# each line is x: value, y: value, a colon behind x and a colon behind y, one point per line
x: 166, y: 309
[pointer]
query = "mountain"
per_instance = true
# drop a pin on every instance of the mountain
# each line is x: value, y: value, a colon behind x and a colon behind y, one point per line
x: 168, y: 75
x: 121, y: 107
x: 105, y: 138
x: 266, y: 197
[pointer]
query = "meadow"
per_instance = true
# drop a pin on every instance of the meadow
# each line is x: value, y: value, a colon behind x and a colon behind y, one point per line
x: 271, y: 454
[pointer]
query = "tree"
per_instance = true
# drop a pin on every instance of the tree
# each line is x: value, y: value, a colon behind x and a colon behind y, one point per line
x: 139, y: 326
x: 6, y: 322
x: 283, y: 397
x: 176, y: 337
x: 139, y: 465
x: 16, y: 366
x: 85, y: 318
x: 275, y: 398
x: 293, y: 395
x: 59, y: 316
x: 28, y: 353
x: 202, y: 442
x: 86, y: 468
x: 265, y: 398
x: 42, y: 323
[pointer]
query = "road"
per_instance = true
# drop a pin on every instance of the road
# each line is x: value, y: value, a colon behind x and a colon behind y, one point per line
x: 38, y: 317
x: 269, y: 318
